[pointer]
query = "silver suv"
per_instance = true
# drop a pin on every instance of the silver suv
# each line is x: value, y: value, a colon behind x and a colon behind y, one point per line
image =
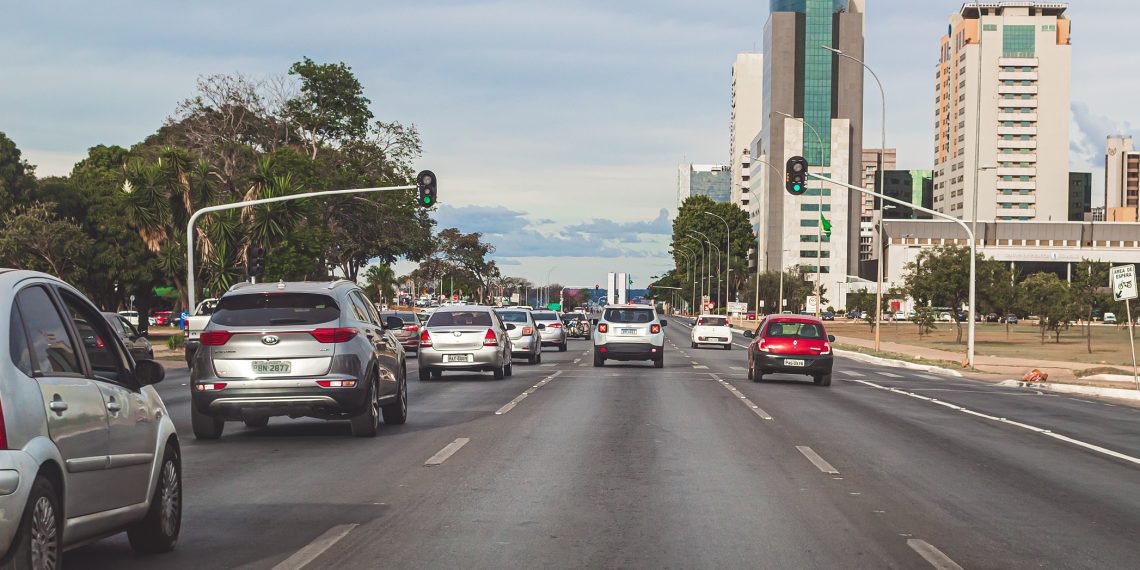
x: 553, y: 333
x: 300, y: 350
x: 630, y: 332
x: 87, y: 448
x: 465, y: 338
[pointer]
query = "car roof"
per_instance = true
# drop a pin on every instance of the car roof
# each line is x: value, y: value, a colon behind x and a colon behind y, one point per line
x: 794, y: 319
x: 462, y: 308
x: 629, y: 306
x: 291, y: 287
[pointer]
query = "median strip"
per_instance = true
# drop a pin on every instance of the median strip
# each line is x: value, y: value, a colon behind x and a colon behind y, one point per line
x: 447, y: 452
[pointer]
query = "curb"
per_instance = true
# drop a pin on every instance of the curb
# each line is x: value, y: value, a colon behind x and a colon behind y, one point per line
x: 867, y: 358
x: 1117, y: 393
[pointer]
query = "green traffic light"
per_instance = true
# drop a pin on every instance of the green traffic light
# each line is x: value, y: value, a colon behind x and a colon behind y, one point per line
x: 796, y: 187
x: 427, y: 199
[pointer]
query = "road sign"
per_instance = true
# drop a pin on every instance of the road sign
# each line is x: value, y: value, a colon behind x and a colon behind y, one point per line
x: 738, y: 308
x: 1124, y: 282
x: 812, y: 304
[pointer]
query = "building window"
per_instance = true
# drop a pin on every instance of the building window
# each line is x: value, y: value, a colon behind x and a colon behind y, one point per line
x: 1019, y: 41
x: 989, y: 28
x: 814, y: 207
x: 809, y: 223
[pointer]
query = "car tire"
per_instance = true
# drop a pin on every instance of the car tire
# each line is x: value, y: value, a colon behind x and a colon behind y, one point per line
x: 755, y: 374
x: 599, y: 360
x: 510, y: 369
x: 425, y: 374
x: 538, y: 357
x: 396, y: 413
x: 659, y: 362
x: 159, y: 531
x: 728, y: 346
x: 694, y: 346
x: 367, y: 422
x: 43, y: 523
x: 257, y: 422
x: 530, y: 359
x: 500, y: 372
x: 823, y: 380
x: 205, y: 426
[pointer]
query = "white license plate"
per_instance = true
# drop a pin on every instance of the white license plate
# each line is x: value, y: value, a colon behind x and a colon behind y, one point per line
x: 457, y: 358
x: 273, y: 367
x: 628, y: 332
x: 794, y: 363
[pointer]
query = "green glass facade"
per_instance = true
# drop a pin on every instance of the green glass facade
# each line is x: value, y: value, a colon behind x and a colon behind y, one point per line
x: 1019, y: 41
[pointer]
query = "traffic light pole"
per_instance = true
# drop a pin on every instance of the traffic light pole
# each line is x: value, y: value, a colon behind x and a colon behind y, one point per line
x: 190, y: 281
x: 973, y: 252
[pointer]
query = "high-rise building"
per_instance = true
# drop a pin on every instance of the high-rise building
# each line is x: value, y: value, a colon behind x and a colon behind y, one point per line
x: 911, y: 186
x: 747, y: 116
x: 1121, y: 173
x: 824, y: 95
x: 712, y: 180
x: 1080, y: 195
x: 868, y: 214
x: 1002, y: 113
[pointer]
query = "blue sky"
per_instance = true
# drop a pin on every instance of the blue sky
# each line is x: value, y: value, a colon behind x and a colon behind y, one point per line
x: 555, y: 127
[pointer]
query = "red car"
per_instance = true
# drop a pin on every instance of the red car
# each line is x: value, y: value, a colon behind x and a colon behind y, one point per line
x: 162, y: 318
x: 788, y: 344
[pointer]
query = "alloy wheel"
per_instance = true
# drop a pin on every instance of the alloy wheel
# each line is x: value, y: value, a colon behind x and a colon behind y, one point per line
x: 45, y: 536
x: 171, y: 499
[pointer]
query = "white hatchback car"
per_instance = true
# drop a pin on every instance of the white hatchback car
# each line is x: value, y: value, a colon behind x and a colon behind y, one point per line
x: 630, y: 332
x: 87, y: 448
x: 712, y: 329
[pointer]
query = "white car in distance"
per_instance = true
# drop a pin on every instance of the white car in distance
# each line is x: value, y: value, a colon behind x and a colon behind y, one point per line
x: 712, y: 329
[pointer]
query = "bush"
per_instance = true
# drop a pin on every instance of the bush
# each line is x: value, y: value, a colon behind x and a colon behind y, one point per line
x: 175, y: 342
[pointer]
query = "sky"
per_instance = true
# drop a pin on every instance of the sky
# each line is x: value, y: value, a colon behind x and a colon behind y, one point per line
x: 554, y: 128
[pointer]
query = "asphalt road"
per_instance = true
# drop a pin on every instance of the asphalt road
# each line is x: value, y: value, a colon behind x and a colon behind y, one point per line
x: 690, y: 466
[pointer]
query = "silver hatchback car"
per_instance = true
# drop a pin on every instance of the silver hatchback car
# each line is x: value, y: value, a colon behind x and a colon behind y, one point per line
x: 553, y: 332
x: 87, y: 448
x: 465, y: 338
x: 525, y: 340
x: 299, y: 350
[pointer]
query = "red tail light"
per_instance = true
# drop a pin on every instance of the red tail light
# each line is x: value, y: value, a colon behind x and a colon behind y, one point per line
x: 425, y: 338
x: 603, y: 328
x: 527, y: 331
x: 554, y: 325
x: 826, y: 348
x: 99, y: 342
x: 654, y: 329
x: 763, y: 347
x: 336, y: 383
x: 333, y: 336
x: 215, y: 338
x: 490, y: 339
x: 3, y: 432
x: 412, y: 328
x: 210, y: 387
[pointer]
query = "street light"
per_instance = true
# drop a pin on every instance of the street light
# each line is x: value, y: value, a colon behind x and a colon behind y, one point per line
x: 819, y: 249
x: 757, y: 306
x: 728, y: 262
x: 682, y: 247
x: 710, y: 243
x: 704, y: 258
x: 688, y: 257
x: 878, y: 188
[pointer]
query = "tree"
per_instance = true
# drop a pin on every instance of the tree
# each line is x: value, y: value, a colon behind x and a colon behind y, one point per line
x: 693, y: 216
x: 1090, y: 288
x: 466, y: 254
x: 1001, y: 293
x: 36, y: 238
x: 380, y: 281
x: 331, y: 107
x: 1050, y: 298
x: 941, y: 277
x: 17, y: 177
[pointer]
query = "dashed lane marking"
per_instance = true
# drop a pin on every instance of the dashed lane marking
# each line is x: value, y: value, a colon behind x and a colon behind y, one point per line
x: 1027, y: 427
x: 698, y: 367
x: 889, y: 374
x: 852, y: 373
x: 314, y: 549
x: 447, y: 451
x: 511, y: 405
x: 935, y: 557
x: 740, y: 396
x: 816, y: 460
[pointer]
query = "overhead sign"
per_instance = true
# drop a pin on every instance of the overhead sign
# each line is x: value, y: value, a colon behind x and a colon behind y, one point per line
x: 738, y: 308
x: 1124, y: 282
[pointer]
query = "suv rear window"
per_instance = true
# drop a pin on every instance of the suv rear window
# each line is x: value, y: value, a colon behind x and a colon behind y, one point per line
x: 275, y: 309
x: 630, y: 315
x: 792, y: 329
x: 513, y: 316
x: 460, y: 319
x: 712, y: 321
x: 545, y: 316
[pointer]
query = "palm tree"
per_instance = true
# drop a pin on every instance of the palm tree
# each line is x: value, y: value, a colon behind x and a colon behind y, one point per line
x: 380, y: 280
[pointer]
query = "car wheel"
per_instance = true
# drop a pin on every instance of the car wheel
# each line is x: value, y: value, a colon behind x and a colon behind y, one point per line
x: 425, y: 374
x: 538, y: 357
x: 257, y: 422
x: 728, y: 346
x: 823, y: 380
x: 599, y: 360
x: 530, y: 359
x: 757, y: 374
x: 562, y: 347
x: 39, y: 539
x: 367, y: 422
x: 205, y: 426
x: 510, y: 370
x: 659, y: 362
x: 751, y: 370
x: 500, y: 372
x: 158, y: 532
x: 396, y: 413
x: 694, y: 346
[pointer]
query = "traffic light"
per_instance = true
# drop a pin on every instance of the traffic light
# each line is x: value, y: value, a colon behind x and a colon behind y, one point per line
x: 796, y: 177
x: 425, y: 182
x: 255, y: 260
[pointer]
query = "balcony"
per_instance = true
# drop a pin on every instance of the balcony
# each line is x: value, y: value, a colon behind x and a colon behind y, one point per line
x: 1016, y: 212
x: 1005, y: 171
x: 1018, y: 103
x: 1017, y: 117
x: 1017, y: 131
x: 1018, y: 62
x: 1003, y: 144
x: 1016, y: 199
x: 1017, y: 76
x: 1016, y: 185
x: 1017, y: 89
x: 1017, y: 158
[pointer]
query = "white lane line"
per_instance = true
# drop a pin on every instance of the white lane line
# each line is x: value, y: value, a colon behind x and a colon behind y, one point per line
x: 889, y: 374
x: 314, y: 549
x: 927, y: 377
x: 816, y: 460
x: 1034, y: 429
x: 935, y: 557
x: 577, y: 360
x: 511, y: 405
x: 852, y: 373
x: 737, y: 367
x: 447, y: 451
x: 698, y: 367
x: 740, y: 396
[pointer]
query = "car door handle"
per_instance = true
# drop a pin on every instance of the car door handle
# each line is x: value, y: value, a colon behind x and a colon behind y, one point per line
x: 58, y: 406
x: 114, y: 407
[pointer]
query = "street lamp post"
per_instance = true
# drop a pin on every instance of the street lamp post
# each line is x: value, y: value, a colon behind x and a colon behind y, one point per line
x: 728, y: 261
x: 700, y: 279
x: 757, y: 306
x: 688, y: 265
x: 878, y: 188
x: 819, y: 242
x: 709, y: 242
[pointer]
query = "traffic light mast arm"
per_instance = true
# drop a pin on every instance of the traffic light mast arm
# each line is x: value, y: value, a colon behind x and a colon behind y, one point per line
x: 234, y: 205
x: 966, y: 228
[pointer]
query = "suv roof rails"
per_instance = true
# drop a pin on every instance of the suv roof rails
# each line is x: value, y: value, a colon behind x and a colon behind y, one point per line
x: 237, y: 286
x: 333, y: 284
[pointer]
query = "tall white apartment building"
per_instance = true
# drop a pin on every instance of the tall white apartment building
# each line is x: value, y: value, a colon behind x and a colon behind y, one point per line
x: 1121, y: 173
x: 747, y: 120
x: 1002, y: 113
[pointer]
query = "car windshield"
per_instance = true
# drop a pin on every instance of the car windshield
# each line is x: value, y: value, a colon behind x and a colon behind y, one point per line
x: 275, y: 309
x: 513, y: 316
x: 629, y: 315
x: 794, y: 329
x: 545, y: 316
x: 712, y: 321
x: 460, y: 319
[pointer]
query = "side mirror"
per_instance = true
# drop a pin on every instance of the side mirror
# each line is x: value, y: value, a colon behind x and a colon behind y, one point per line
x: 664, y: 323
x: 830, y: 338
x: 511, y: 327
x: 149, y: 372
x: 541, y: 327
x: 748, y: 334
x: 393, y: 323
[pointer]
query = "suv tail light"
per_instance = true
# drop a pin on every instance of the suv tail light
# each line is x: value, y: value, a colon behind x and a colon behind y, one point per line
x: 215, y: 338
x: 603, y: 328
x: 412, y: 328
x: 3, y: 432
x: 425, y: 338
x: 554, y: 325
x: 333, y: 336
x: 654, y: 329
x: 527, y: 331
x: 490, y: 339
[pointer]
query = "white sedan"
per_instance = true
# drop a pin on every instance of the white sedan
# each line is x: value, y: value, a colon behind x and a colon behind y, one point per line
x: 712, y: 329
